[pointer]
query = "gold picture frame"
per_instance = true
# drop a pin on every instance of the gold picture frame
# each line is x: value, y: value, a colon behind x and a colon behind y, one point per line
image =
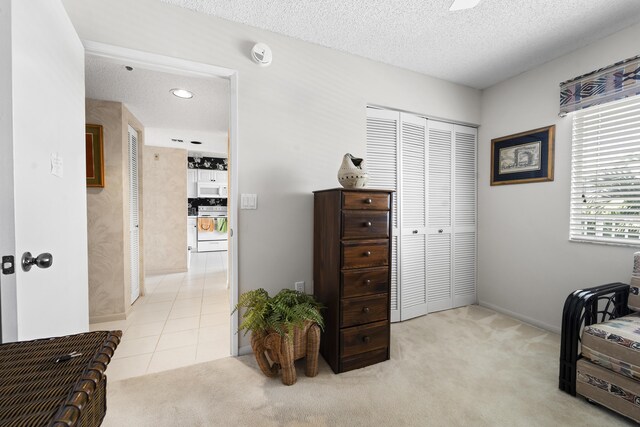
x: 523, y: 157
x: 94, y: 156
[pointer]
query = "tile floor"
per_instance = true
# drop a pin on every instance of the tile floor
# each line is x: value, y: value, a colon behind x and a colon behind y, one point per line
x: 183, y: 319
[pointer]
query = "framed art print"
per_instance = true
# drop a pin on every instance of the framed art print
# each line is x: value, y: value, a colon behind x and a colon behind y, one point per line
x: 523, y: 157
x: 94, y: 156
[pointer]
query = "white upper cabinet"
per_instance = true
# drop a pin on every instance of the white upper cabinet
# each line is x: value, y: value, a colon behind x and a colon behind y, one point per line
x: 192, y: 183
x: 208, y: 175
x: 221, y: 176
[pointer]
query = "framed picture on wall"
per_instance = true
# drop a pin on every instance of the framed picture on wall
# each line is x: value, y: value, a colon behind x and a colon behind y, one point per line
x: 523, y: 157
x: 94, y: 156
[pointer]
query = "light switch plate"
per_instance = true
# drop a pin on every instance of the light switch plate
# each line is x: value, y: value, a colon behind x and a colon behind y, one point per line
x: 57, y: 165
x: 248, y: 201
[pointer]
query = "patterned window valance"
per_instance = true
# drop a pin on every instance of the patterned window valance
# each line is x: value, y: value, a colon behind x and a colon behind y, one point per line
x: 607, y: 84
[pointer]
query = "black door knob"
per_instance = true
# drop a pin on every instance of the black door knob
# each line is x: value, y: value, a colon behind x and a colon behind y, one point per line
x: 365, y: 310
x: 44, y: 260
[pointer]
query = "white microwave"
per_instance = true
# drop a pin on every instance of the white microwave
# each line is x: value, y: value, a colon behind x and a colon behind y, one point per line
x: 212, y: 189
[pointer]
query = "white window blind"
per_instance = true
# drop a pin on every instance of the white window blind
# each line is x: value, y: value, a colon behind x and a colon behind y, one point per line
x: 605, y: 173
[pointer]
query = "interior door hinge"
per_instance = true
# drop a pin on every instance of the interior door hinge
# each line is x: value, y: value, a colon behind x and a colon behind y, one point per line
x: 8, y: 264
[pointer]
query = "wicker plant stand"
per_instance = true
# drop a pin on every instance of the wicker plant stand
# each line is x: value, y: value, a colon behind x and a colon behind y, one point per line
x: 35, y: 390
x: 283, y: 351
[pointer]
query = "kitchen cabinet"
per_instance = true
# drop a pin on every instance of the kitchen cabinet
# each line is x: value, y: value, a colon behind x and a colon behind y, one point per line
x: 192, y: 233
x: 192, y: 183
x: 221, y: 176
x: 208, y: 175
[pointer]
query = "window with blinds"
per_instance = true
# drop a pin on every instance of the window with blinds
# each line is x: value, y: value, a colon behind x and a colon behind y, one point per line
x: 605, y: 173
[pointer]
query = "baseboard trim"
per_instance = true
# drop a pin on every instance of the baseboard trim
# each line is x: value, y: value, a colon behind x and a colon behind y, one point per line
x: 529, y: 320
x: 244, y: 350
x: 166, y: 271
x: 107, y: 318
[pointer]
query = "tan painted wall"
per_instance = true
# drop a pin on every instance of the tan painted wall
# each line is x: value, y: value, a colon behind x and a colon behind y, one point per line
x: 108, y: 216
x: 165, y: 203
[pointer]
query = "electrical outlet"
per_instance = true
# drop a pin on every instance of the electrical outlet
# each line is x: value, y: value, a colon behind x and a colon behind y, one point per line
x: 299, y: 286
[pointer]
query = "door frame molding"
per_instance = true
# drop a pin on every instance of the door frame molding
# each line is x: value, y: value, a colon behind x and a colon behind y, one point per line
x: 155, y: 62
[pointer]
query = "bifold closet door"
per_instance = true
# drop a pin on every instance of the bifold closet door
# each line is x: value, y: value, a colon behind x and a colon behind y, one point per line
x: 383, y: 133
x: 134, y: 220
x: 451, y: 236
x: 439, y: 213
x: 464, y: 214
x: 432, y: 167
x: 413, y: 201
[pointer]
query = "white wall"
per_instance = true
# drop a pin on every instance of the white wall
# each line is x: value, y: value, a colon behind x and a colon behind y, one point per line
x: 212, y: 142
x: 527, y: 266
x: 297, y: 117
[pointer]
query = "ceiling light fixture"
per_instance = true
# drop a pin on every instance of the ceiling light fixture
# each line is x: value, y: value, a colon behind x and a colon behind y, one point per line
x: 463, y: 4
x: 128, y: 67
x: 182, y: 93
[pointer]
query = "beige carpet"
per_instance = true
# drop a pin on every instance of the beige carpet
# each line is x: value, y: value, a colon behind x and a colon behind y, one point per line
x: 464, y: 367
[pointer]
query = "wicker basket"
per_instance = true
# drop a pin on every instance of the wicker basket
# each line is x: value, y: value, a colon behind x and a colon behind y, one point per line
x: 37, y: 391
x: 274, y: 352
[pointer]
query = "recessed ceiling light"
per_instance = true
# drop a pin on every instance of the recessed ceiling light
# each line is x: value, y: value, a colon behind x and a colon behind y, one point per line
x: 463, y: 4
x: 182, y: 93
x: 196, y: 142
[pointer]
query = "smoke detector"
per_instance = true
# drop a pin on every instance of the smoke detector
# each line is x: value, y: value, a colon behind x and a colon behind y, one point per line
x: 261, y: 54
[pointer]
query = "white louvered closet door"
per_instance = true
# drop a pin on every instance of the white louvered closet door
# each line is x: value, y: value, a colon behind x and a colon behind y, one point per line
x: 439, y: 215
x: 413, y: 200
x: 464, y: 214
x: 383, y: 132
x: 134, y: 222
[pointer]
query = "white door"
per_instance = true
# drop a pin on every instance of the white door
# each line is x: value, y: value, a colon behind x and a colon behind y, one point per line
x: 413, y: 184
x: 42, y: 170
x: 464, y: 214
x: 383, y: 132
x: 439, y: 244
x: 134, y: 220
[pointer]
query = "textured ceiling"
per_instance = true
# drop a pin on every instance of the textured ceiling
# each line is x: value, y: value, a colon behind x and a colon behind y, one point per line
x: 146, y: 94
x: 478, y: 47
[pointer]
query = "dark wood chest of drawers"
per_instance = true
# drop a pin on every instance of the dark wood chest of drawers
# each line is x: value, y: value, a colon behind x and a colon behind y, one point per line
x: 351, y: 275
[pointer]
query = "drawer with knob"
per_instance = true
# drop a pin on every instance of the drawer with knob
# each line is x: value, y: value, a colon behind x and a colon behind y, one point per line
x: 360, y: 339
x: 365, y: 225
x: 359, y: 254
x: 356, y: 311
x: 365, y: 200
x: 364, y: 282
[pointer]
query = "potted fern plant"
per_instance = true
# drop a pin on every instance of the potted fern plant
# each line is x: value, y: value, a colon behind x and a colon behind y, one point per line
x: 284, y: 328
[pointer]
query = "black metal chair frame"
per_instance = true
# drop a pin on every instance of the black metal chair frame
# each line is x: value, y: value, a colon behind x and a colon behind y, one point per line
x: 581, y: 309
